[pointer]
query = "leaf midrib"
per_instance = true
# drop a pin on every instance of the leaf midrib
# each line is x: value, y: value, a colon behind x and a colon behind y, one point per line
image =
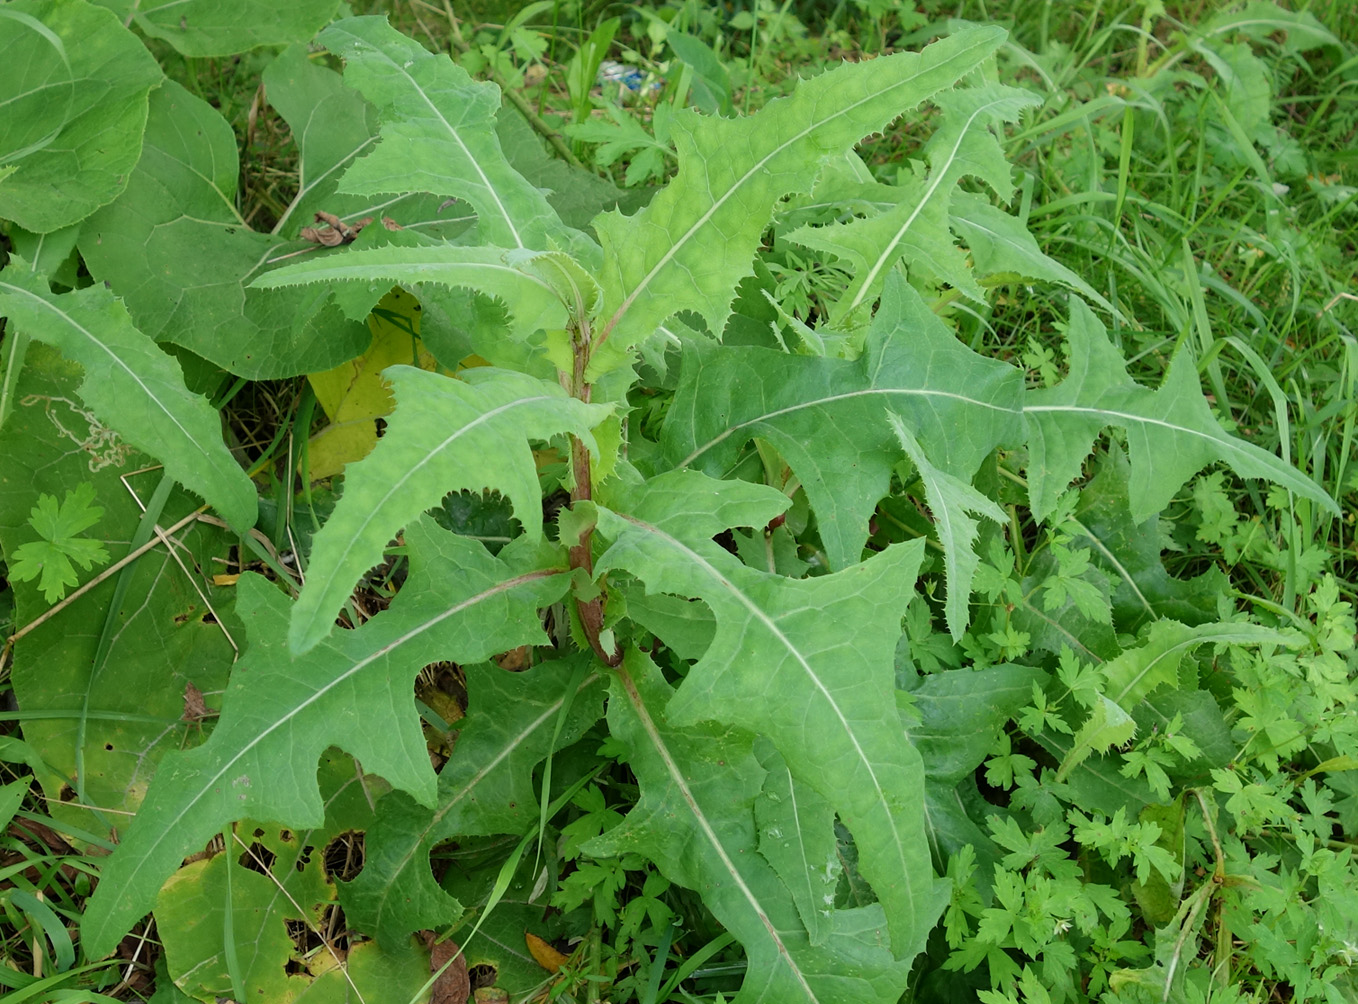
x: 771, y: 626
x: 173, y: 826
x: 678, y: 779
x: 757, y: 168
x: 359, y: 533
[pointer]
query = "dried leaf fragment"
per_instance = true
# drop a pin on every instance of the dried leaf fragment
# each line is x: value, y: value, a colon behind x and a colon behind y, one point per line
x: 545, y: 955
x: 195, y: 708
x: 337, y: 232
x: 453, y: 986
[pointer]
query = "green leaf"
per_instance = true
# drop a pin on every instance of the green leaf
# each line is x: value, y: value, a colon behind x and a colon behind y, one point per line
x: 486, y: 787
x: 280, y: 880
x: 917, y: 226
x: 1131, y: 553
x: 696, y: 240
x: 212, y: 28
x: 1138, y: 671
x: 951, y: 499
x: 1171, y: 432
x: 112, y: 724
x: 1263, y: 21
x: 438, y: 135
x: 694, y: 819
x: 1001, y: 244
x: 332, y: 127
x: 808, y: 664
x: 51, y: 557
x: 1107, y: 725
x: 445, y: 435
x: 826, y: 417
x: 533, y: 300
x: 797, y: 837
x: 353, y: 691
x: 961, y: 712
x: 132, y: 386
x: 174, y: 247
x: 577, y: 194
x: 74, y: 94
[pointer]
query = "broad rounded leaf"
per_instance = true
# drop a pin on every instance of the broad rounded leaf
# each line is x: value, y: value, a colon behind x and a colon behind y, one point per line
x: 73, y: 94
x: 176, y: 250
x: 215, y: 28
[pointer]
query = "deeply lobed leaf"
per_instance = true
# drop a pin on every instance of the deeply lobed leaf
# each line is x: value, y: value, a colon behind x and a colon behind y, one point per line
x: 353, y: 691
x: 807, y: 663
x: 445, y: 435
x: 486, y: 787
x: 1171, y: 433
x: 438, y: 135
x: 827, y: 417
x: 696, y: 239
x: 917, y: 226
x: 695, y: 820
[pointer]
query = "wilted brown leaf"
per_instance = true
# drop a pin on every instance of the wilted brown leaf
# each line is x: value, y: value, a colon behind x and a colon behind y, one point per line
x: 454, y: 985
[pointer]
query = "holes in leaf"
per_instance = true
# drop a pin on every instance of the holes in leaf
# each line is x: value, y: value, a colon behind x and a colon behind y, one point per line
x: 853, y: 890
x: 483, y: 975
x: 257, y: 858
x: 67, y: 794
x: 343, y: 856
x: 108, y: 747
x: 300, y: 935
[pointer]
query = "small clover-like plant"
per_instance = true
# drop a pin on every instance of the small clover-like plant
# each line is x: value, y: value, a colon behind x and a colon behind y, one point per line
x: 51, y: 560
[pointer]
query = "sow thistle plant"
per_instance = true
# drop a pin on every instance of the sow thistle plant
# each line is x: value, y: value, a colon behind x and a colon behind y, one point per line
x: 768, y: 706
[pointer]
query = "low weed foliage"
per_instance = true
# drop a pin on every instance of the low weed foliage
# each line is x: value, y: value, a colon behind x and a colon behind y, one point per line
x: 769, y: 641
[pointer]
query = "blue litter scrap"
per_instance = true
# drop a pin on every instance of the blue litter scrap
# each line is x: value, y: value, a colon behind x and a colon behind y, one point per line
x: 611, y: 72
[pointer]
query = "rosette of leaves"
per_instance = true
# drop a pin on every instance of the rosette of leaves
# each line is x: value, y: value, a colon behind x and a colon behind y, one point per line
x: 791, y: 692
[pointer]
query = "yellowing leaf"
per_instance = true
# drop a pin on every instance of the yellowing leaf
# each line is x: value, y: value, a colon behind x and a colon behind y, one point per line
x: 543, y: 953
x: 354, y: 395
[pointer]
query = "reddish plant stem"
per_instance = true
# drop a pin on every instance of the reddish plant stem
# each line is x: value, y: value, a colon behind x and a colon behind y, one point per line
x: 591, y: 612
